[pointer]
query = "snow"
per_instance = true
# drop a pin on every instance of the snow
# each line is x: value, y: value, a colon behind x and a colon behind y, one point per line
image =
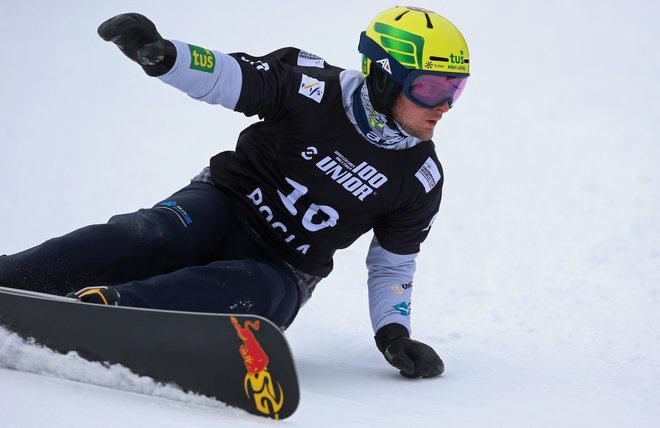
x: 539, y: 284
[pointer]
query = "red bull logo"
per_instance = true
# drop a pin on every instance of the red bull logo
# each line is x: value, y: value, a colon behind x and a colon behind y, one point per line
x: 259, y: 386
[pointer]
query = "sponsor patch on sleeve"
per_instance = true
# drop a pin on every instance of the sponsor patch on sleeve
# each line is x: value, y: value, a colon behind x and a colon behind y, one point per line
x: 403, y: 308
x: 312, y: 88
x: 429, y: 174
x: 306, y: 59
x: 201, y: 59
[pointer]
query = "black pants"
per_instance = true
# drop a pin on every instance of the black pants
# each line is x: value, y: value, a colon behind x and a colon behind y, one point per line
x: 189, y: 253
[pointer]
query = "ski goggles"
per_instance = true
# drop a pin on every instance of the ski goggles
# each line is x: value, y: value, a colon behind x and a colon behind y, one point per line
x: 428, y: 89
x: 432, y: 89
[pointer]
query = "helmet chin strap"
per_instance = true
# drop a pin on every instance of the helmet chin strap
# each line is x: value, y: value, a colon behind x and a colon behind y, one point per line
x: 383, y: 91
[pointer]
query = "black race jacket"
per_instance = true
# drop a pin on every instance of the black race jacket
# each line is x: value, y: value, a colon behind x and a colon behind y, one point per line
x: 303, y: 177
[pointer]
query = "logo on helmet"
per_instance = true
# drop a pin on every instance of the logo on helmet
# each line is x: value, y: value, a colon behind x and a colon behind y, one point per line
x: 457, y: 59
x: 385, y: 63
x: 404, y: 46
x: 458, y: 62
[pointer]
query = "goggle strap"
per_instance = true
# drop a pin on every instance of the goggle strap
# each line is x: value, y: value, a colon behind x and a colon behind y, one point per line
x: 379, y: 56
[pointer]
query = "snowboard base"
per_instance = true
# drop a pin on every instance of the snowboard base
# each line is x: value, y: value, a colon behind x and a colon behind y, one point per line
x: 241, y: 360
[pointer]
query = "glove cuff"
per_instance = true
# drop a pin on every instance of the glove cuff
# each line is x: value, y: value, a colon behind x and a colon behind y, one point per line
x: 388, y: 333
x: 165, y: 65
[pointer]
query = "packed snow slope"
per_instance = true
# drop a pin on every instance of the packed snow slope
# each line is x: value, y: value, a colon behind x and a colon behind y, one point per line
x: 539, y: 284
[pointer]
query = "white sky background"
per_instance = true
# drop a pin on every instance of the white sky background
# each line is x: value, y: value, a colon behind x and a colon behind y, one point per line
x: 540, y: 282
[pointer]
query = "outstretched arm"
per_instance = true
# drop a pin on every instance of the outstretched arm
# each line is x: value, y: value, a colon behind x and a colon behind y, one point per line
x: 390, y: 290
x: 205, y: 75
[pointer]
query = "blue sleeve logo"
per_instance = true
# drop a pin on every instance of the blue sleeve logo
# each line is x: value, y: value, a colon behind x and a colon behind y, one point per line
x: 403, y: 308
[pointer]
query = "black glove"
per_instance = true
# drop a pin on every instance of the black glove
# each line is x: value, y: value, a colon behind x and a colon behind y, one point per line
x: 136, y: 36
x: 413, y: 359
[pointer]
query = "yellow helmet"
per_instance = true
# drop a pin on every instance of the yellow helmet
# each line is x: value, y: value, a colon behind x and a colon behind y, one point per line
x: 402, y: 43
x: 418, y: 39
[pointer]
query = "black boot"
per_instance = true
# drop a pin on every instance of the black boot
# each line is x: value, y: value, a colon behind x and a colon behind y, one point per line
x: 98, y: 295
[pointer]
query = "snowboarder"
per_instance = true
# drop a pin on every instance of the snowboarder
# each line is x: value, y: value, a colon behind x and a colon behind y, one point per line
x: 337, y: 153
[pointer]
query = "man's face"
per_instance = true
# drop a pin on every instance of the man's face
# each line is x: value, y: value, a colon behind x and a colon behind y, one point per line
x: 415, y: 120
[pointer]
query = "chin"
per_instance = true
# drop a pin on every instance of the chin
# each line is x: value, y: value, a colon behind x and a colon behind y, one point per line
x: 423, y: 135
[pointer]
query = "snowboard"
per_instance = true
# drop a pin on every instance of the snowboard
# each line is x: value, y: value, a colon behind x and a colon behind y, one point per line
x: 241, y: 360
